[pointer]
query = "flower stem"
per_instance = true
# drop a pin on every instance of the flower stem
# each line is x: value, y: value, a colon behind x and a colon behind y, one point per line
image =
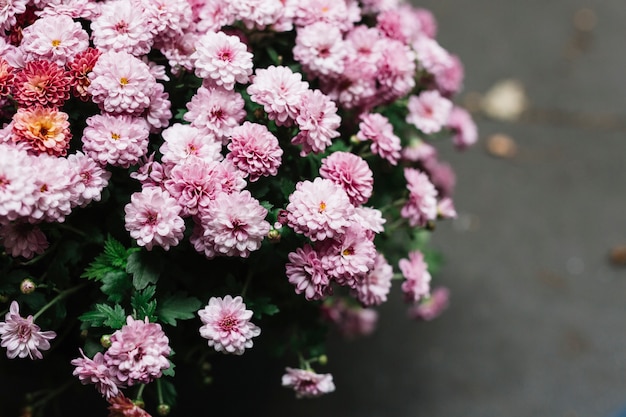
x: 159, y: 391
x: 139, y: 396
x: 57, y: 299
x: 246, y: 284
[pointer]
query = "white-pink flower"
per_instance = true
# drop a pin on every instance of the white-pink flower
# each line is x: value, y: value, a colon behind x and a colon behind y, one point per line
x: 422, y: 203
x: 122, y: 27
x: 222, y: 60
x: 463, y: 127
x: 307, y: 383
x: 96, y: 371
x: 89, y: 179
x: 254, y: 150
x: 376, y: 128
x: 226, y: 325
x: 320, y: 49
x: 21, y: 336
x: 183, y: 142
x: 373, y: 289
x: 352, y: 173
x: 429, y: 111
x: 417, y: 278
x: 54, y: 38
x: 349, y: 257
x: 305, y: 271
x: 216, y: 111
x: 193, y: 184
x: 318, y: 122
x: 431, y: 307
x: 8, y: 11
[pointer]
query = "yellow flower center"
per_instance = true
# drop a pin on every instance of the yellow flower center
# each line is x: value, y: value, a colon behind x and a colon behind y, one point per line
x: 322, y: 207
x: 115, y: 136
x: 123, y: 80
x: 56, y: 43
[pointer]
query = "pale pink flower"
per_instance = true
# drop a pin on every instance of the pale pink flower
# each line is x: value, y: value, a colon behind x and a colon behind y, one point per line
x: 193, y: 184
x: 152, y: 218
x: 373, y: 289
x: 121, y: 83
x: 400, y: 23
x: 138, y: 353
x: 445, y: 208
x: 256, y: 13
x: 305, y: 271
x: 417, y: 278
x: 349, y: 257
x: 222, y: 60
x: 234, y: 225
x: 55, y: 38
x: 463, y: 127
x: 320, y: 49
x: 371, y: 219
x: 216, y: 111
x: 352, y: 173
x: 41, y: 82
x: 442, y: 176
x: 355, y: 88
x: 307, y: 383
x: 54, y: 195
x: 377, y: 128
x: 151, y: 173
x: 22, y: 239
x: 342, y: 14
x: 279, y: 91
x: 377, y: 6
x: 318, y: 122
x: 22, y: 337
x: 158, y: 113
x: 431, y: 57
x: 213, y: 15
x: 431, y: 307
x: 85, y: 9
x: 226, y: 325
x: 429, y: 111
x: 16, y: 183
x: 88, y: 180
x: 428, y: 24
x: 365, y: 46
x: 396, y: 70
x: 122, y: 26
x: 351, y: 320
x: 119, y: 140
x: 319, y: 209
x: 167, y: 18
x: 8, y: 10
x: 179, y: 50
x: 422, y: 203
x: 450, y: 80
x: 182, y: 142
x: 96, y: 371
x: 254, y: 150
x: 418, y: 151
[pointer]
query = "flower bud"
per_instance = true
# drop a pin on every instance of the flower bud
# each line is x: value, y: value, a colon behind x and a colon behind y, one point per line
x: 27, y: 286
x: 4, y: 298
x: 273, y: 235
x: 105, y: 341
x: 323, y: 359
x: 163, y: 409
x: 140, y: 403
x: 282, y: 217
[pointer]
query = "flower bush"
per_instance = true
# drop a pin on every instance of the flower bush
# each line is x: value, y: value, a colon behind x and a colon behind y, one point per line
x: 184, y: 179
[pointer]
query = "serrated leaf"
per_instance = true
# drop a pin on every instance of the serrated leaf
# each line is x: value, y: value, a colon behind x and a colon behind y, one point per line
x: 177, y: 307
x: 115, y: 285
x: 115, y: 253
x: 112, y: 259
x: 143, y: 304
x: 267, y: 205
x: 171, y: 371
x: 105, y: 315
x: 262, y: 306
x: 144, y: 268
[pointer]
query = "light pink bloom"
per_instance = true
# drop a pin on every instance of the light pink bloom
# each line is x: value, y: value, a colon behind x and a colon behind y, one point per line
x: 400, y: 23
x: 122, y: 27
x: 431, y: 307
x: 23, y: 239
x: 254, y: 150
x: 371, y: 219
x: 17, y: 187
x: 151, y: 173
x: 88, y: 180
x: 445, y: 208
x: 152, y: 218
x: 422, y: 203
x: 417, y: 278
x: 222, y: 60
x: 352, y: 173
x: 55, y: 38
x: 279, y: 91
x: 349, y: 257
x: 373, y: 289
x: 257, y: 13
x: 120, y: 140
x: 75, y: 9
x: 193, y: 184
x: 183, y: 142
x: 54, y: 196
x: 138, y: 352
x: 318, y: 122
x: 234, y: 225
x: 377, y: 6
x: 428, y: 24
x: 21, y: 336
x: 376, y: 128
x: 226, y: 324
x: 179, y: 50
x: 418, y: 151
x: 307, y: 383
x: 167, y: 18
x: 158, y: 113
x: 216, y: 111
x: 8, y: 10
x: 463, y: 127
x: 320, y: 49
x: 351, y: 320
x: 429, y: 111
x: 96, y: 371
x: 211, y: 16
x: 442, y: 176
x: 396, y: 70
x: 320, y: 209
x: 305, y: 271
x: 431, y: 57
x: 450, y: 80
x: 121, y: 83
x: 340, y: 13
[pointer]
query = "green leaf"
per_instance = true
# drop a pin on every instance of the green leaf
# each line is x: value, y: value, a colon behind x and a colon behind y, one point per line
x: 145, y: 269
x: 170, y: 371
x: 115, y: 284
x: 177, y: 307
x: 143, y: 304
x: 262, y: 306
x: 104, y: 315
x: 112, y: 259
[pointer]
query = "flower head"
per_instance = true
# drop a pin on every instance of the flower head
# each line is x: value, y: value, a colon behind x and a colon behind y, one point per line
x: 429, y: 111
x: 305, y: 271
x: 417, y: 278
x: 351, y: 172
x: 21, y: 336
x: 254, y: 150
x: 23, y: 239
x: 42, y: 130
x: 222, y: 60
x: 430, y: 307
x: 42, y: 83
x: 122, y: 26
x: 54, y: 38
x: 96, y: 371
x: 376, y: 128
x: 422, y: 204
x: 215, y: 111
x: 307, y: 383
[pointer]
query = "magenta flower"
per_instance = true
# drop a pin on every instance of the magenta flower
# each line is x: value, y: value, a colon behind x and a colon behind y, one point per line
x: 417, y: 278
x: 352, y: 173
x: 422, y: 203
x: 22, y: 337
x: 254, y: 150
x: 307, y: 383
x: 227, y: 326
x: 222, y: 60
x: 305, y: 271
x: 138, y: 352
x: 429, y: 111
x: 396, y: 70
x: 96, y: 371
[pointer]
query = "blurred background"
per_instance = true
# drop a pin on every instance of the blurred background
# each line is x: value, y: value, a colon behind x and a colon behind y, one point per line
x: 536, y: 325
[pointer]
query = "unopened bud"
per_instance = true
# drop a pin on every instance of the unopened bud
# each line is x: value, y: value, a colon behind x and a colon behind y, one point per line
x: 323, y: 359
x: 105, y: 341
x: 282, y: 217
x: 273, y: 235
x: 354, y: 140
x: 140, y: 403
x: 163, y: 409
x: 27, y: 286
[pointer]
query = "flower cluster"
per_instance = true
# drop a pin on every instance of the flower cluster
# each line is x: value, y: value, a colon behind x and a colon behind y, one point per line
x: 204, y: 171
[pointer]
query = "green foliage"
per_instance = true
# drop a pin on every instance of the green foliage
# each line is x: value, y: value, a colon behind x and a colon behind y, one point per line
x: 104, y: 315
x: 143, y: 304
x: 261, y: 306
x: 177, y: 307
x: 145, y: 268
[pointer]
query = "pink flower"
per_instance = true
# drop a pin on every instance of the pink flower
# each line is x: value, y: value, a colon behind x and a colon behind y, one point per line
x: 122, y: 26
x: 194, y: 185
x: 430, y: 307
x: 119, y: 140
x: 96, y: 371
x: 167, y: 18
x: 442, y: 176
x: 43, y: 130
x: 445, y: 208
x: 431, y: 57
x: 307, y: 383
x: 385, y: 143
x: 429, y: 111
x: 463, y: 127
x: 23, y: 239
x: 352, y: 173
x: 152, y: 218
x: 138, y: 352
x: 226, y: 324
x: 22, y: 337
x: 75, y: 9
x: 417, y: 278
x: 279, y: 91
x: 372, y: 290
x: 450, y: 80
x: 351, y: 321
x: 396, y: 70
x: 183, y: 142
x: 151, y: 173
x: 422, y: 204
x: 320, y: 209
x: 88, y: 180
x: 79, y: 69
x: 158, y: 113
x: 370, y: 219
x: 222, y: 60
x: 216, y: 111
x: 254, y: 150
x: 318, y: 122
x: 54, y: 38
x: 320, y: 49
x: 8, y: 11
x: 305, y: 271
x: 257, y: 13
x: 418, y: 151
x: 341, y: 14
x: 7, y: 77
x: 16, y: 185
x: 234, y: 225
x: 41, y: 82
x: 54, y: 196
x: 120, y: 406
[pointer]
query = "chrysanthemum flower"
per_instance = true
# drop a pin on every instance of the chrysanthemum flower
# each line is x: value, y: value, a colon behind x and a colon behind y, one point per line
x: 120, y: 406
x: 371, y: 219
x: 54, y: 38
x: 341, y: 14
x: 216, y: 111
x: 158, y: 113
x: 44, y: 130
x: 16, y: 185
x: 79, y: 69
x: 42, y: 83
x: 442, y: 176
x: 23, y: 239
x: 429, y: 111
x: 96, y: 371
x: 182, y: 142
x: 226, y: 324
x: 349, y: 257
x: 167, y: 18
x: 352, y: 173
x: 222, y: 60
x: 120, y: 140
x: 254, y: 150
x: 138, y: 352
x: 152, y: 218
x: 307, y: 383
x: 151, y: 173
x: 422, y: 204
x: 417, y: 278
x: 8, y: 10
x: 431, y: 57
x: 385, y: 143
x: 450, y: 80
x: 76, y: 9
x: 193, y: 183
x: 320, y: 209
x: 318, y: 122
x: 7, y: 75
x: 351, y: 320
x: 431, y: 307
x: 320, y: 49
x: 88, y: 180
x: 396, y: 70
x: 257, y: 13
x: 122, y: 27
x: 53, y: 194
x: 234, y: 225
x: 305, y: 271
x: 463, y: 127
x: 418, y: 150
x: 445, y: 208
x: 121, y: 83
x: 211, y: 16
x: 373, y: 289
x: 279, y: 91
x: 22, y: 337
